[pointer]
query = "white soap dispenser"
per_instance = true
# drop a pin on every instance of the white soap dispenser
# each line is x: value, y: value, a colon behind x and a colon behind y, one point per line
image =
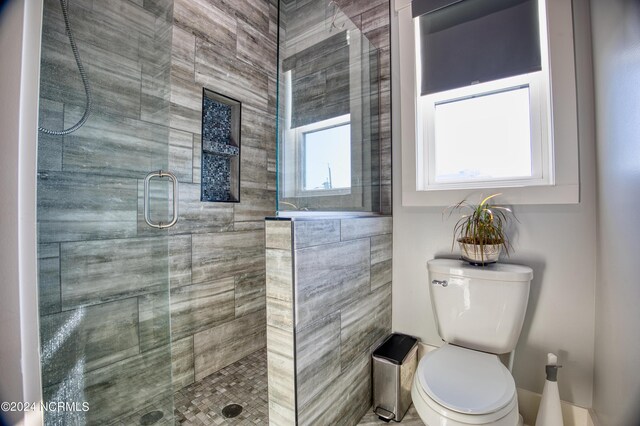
x: 550, y: 411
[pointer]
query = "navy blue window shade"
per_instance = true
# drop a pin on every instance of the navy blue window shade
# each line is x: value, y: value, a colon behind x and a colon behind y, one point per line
x: 473, y: 41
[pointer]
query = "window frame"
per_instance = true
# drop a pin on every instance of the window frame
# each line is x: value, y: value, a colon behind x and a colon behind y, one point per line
x: 538, y: 111
x: 298, y: 135
x: 563, y: 168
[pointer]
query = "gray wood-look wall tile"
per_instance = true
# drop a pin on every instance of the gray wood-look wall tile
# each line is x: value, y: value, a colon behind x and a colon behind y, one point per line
x: 182, y: 362
x: 375, y: 25
x: 207, y: 21
x: 186, y: 102
x: 386, y: 203
x: 221, y: 72
x: 110, y: 387
x: 220, y: 346
x: 224, y: 46
x: 259, y: 127
x: 317, y: 357
x: 278, y: 234
x: 155, y: 89
x: 179, y: 260
x: 253, y: 225
x: 197, y: 217
x: 115, y: 81
x: 112, y: 145
x: 51, y: 116
x: 281, y: 377
x: 201, y: 306
x: 344, y: 402
x: 181, y: 155
x: 280, y: 313
x: 255, y: 13
x: 153, y: 320
x: 272, y: 175
x: 365, y: 227
x: 86, y: 24
x: 130, y: 16
x: 226, y: 254
x: 95, y: 336
x: 329, y: 276
x: 197, y: 159
x: 115, y: 78
x: 250, y: 290
x: 316, y: 232
x: 364, y: 322
x: 256, y: 48
x: 255, y: 204
x: 100, y: 271
x: 49, y: 278
x: 381, y: 248
x: 381, y: 274
x: 279, y: 271
x: 73, y: 206
x: 183, y: 46
x: 253, y: 168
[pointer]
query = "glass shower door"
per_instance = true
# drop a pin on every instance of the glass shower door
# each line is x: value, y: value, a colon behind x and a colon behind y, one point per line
x: 103, y: 271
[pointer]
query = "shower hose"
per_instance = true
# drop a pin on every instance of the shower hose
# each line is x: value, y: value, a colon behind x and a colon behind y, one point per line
x: 83, y: 75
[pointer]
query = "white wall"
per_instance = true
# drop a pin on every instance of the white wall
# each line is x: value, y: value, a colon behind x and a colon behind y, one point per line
x: 11, y: 377
x: 19, y: 360
x: 616, y: 42
x: 558, y: 242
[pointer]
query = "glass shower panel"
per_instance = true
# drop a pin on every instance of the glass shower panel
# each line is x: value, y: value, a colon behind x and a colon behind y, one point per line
x: 103, y: 272
x: 328, y: 111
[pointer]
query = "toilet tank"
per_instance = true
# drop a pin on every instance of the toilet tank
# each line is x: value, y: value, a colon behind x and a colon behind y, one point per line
x: 479, y: 307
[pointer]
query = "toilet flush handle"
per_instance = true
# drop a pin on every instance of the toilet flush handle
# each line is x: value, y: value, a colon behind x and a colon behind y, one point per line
x: 443, y: 283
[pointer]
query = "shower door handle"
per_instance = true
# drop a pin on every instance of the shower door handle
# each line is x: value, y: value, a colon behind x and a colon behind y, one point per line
x: 147, y: 212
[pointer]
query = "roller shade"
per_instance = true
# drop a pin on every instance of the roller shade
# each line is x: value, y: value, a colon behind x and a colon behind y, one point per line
x: 472, y: 41
x: 320, y: 81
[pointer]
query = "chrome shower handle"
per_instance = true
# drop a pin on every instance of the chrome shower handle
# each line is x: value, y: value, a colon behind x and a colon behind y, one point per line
x: 147, y: 213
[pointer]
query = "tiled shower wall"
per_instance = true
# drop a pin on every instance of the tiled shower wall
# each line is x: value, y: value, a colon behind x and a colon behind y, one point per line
x: 102, y: 275
x: 217, y: 266
x: 328, y: 306
x: 98, y: 260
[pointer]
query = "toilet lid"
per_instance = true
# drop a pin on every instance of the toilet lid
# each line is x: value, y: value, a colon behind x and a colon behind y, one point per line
x: 466, y: 381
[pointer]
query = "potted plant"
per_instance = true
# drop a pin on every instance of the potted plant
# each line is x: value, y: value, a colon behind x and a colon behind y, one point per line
x: 481, y: 230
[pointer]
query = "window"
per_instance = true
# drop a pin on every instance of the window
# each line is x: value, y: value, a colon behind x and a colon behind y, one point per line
x: 327, y: 158
x: 320, y: 153
x: 471, y: 130
x: 480, y: 102
x: 484, y: 136
x: 317, y: 146
x: 482, y: 112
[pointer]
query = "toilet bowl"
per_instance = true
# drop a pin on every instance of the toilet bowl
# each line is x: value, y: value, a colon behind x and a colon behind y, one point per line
x: 454, y: 386
x: 479, y: 312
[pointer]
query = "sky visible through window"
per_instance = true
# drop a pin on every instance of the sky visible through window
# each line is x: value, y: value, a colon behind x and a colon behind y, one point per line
x: 485, y: 137
x: 327, y: 158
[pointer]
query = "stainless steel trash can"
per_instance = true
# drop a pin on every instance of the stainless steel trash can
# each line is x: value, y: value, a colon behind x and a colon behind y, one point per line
x: 394, y: 364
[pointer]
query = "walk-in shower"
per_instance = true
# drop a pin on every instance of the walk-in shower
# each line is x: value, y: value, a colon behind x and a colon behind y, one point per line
x: 103, y: 273
x: 151, y: 320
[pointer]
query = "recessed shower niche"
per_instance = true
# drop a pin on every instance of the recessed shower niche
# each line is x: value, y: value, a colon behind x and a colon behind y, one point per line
x: 220, y: 147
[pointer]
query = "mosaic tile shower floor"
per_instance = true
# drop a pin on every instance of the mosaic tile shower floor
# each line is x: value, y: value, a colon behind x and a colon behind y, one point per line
x: 244, y: 382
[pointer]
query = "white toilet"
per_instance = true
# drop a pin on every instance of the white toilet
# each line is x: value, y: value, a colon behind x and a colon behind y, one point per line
x: 479, y: 312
